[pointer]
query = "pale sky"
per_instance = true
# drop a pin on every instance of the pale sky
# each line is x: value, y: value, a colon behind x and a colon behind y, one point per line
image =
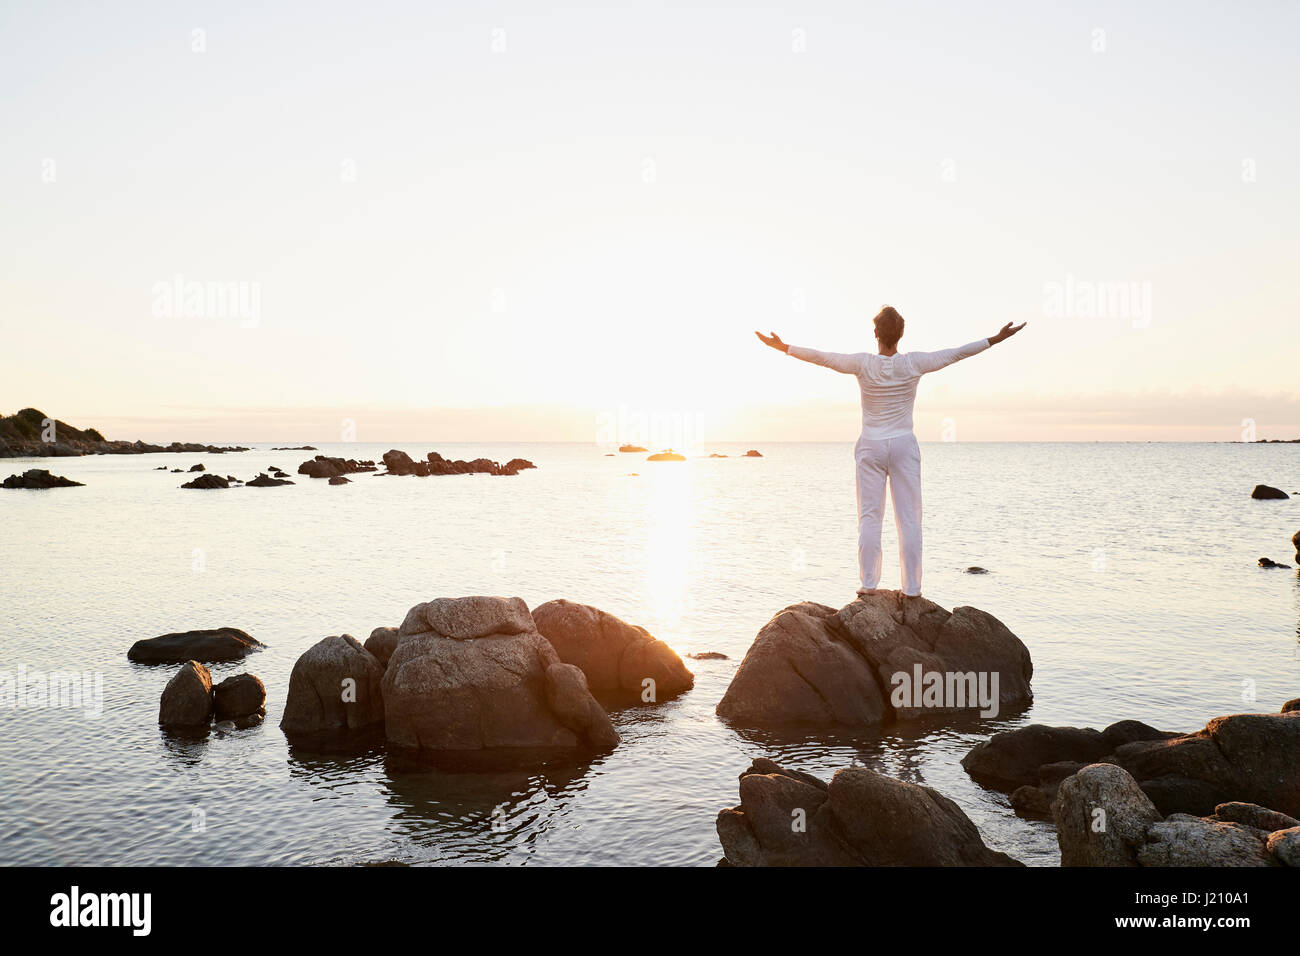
x: 519, y: 221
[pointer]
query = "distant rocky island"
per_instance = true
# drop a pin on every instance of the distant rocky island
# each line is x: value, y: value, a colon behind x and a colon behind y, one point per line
x: 31, y: 433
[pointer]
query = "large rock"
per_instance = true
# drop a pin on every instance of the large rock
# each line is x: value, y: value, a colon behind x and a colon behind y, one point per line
x: 615, y: 656
x: 473, y: 673
x: 1184, y: 840
x: 241, y: 698
x: 187, y: 698
x: 883, y: 656
x: 334, y: 688
x: 788, y: 818
x: 800, y: 669
x: 1101, y: 817
x: 1295, y: 543
x: 209, y: 646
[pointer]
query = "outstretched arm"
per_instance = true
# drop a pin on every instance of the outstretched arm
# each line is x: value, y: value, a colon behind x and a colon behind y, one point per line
x: 933, y: 361
x: 838, y: 361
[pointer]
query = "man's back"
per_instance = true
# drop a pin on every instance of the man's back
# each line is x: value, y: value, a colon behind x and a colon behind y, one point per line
x: 888, y: 382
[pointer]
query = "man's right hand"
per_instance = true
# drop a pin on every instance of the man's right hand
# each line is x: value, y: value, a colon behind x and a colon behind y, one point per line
x: 774, y: 341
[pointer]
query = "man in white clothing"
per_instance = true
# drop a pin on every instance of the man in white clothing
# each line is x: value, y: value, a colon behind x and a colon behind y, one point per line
x: 887, y: 449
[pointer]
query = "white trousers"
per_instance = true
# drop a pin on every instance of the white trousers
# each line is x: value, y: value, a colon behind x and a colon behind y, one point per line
x: 898, y: 461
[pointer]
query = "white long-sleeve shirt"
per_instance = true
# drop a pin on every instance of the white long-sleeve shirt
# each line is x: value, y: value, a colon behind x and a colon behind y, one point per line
x: 888, y: 382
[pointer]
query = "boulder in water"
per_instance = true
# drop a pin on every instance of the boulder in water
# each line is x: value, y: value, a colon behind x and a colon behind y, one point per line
x: 187, y: 698
x: 208, y: 646
x: 334, y: 688
x: 615, y: 656
x: 862, y: 818
x: 474, y: 674
x: 241, y: 699
x: 1267, y: 492
x: 884, y: 656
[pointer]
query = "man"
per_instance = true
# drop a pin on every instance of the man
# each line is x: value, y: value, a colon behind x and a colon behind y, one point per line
x: 887, y: 448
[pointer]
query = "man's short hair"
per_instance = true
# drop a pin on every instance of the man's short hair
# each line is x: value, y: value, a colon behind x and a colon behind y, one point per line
x: 889, y: 326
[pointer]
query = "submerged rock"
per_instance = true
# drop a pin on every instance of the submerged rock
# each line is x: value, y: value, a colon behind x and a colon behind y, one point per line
x: 667, y: 455
x: 862, y: 818
x: 1267, y: 492
x: 340, y: 480
x: 187, y: 698
x: 334, y: 687
x: 884, y: 656
x: 615, y: 656
x: 40, y: 478
x: 1270, y: 563
x: 217, y: 644
x: 474, y: 673
x: 631, y: 448
x: 752, y: 453
x: 198, y: 467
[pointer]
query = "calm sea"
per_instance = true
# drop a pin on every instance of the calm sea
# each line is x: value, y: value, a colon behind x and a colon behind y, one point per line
x: 1128, y: 569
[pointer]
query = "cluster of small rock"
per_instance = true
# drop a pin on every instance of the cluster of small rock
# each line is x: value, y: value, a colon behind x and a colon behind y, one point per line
x: 400, y: 463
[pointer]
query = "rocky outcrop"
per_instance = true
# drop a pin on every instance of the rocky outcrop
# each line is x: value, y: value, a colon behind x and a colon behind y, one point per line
x: 1105, y: 819
x: 39, y: 478
x: 1295, y: 543
x: 884, y: 656
x: 666, y: 455
x: 631, y: 448
x: 187, y: 698
x: 1252, y: 758
x: 474, y: 674
x: 323, y: 466
x: 208, y: 646
x: 615, y: 656
x: 861, y: 818
x: 208, y: 481
x: 241, y: 698
x: 1270, y: 563
x: 752, y: 453
x: 340, y: 480
x: 400, y: 463
x: 334, y: 688
x: 1267, y: 492
x: 31, y: 433
x: 198, y: 467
